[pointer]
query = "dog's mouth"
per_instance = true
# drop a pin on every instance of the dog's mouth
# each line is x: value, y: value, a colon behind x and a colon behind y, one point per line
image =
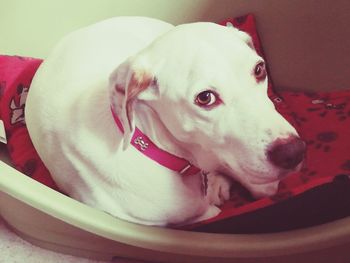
x: 257, y: 177
x: 258, y: 183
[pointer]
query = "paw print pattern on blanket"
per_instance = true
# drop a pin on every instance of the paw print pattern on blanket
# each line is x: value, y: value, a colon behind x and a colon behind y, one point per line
x: 306, y: 174
x: 326, y: 129
x: 346, y: 165
x: 323, y: 141
x: 30, y: 167
x: 324, y: 107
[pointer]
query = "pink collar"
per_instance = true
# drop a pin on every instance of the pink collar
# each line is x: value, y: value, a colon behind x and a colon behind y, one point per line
x: 142, y: 143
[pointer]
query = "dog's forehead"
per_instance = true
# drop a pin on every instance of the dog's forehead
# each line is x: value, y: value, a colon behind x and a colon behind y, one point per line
x: 201, y: 45
x: 203, y: 33
x: 194, y: 38
x: 200, y: 55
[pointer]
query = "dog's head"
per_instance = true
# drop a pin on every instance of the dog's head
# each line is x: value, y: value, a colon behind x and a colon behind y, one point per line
x: 209, y: 89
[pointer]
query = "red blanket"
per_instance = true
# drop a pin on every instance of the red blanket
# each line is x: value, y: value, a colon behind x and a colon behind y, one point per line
x: 322, y: 120
x: 16, y: 74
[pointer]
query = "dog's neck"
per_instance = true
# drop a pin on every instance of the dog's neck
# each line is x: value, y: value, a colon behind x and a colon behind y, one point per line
x: 149, y: 122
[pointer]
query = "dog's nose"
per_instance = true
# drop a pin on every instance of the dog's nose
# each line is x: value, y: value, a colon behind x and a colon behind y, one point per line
x: 287, y: 153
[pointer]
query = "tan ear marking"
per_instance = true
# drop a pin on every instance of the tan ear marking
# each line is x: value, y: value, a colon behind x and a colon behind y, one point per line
x: 138, y: 82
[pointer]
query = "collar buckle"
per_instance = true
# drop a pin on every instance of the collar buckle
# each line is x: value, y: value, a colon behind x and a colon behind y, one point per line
x: 186, y: 168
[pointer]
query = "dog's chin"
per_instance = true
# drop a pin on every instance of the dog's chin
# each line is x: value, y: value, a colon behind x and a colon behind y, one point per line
x: 268, y: 187
x: 263, y: 190
x: 263, y: 187
x: 260, y: 184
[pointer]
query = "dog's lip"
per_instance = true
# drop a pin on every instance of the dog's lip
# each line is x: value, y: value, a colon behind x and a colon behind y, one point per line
x: 260, y: 180
x: 257, y: 180
x: 265, y: 181
x: 281, y: 175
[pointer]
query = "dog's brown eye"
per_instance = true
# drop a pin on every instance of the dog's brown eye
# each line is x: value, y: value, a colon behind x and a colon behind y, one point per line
x: 206, y: 98
x: 260, y: 71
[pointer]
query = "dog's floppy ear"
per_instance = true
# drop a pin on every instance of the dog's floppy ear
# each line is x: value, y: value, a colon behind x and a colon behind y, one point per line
x: 243, y: 35
x: 130, y: 84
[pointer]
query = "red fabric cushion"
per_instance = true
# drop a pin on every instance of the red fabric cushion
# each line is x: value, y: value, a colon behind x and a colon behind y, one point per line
x: 16, y: 74
x: 322, y: 120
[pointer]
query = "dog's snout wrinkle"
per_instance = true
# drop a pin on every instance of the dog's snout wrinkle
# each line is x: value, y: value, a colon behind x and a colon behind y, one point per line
x: 288, y: 153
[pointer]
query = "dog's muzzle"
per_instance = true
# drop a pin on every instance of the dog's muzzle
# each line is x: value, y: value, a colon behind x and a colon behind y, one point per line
x: 287, y: 153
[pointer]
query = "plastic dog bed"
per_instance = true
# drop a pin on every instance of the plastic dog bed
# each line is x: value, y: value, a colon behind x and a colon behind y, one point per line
x: 316, y: 195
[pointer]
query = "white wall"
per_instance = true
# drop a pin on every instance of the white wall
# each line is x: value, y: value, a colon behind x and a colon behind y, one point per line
x: 31, y: 27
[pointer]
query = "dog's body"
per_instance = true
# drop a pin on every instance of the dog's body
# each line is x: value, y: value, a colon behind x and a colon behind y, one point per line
x: 68, y: 114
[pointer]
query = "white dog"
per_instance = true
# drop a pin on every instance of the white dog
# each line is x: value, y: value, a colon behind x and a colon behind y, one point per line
x: 197, y: 91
